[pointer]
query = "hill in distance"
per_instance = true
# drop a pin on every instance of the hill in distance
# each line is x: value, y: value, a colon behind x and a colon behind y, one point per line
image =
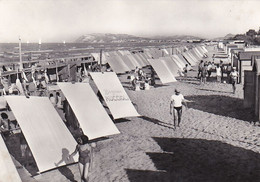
x: 113, y: 38
x: 178, y: 37
x: 107, y: 38
x: 228, y: 36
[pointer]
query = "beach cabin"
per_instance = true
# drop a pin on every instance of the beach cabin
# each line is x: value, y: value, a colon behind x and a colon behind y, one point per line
x: 245, y: 63
x: 234, y: 56
x: 252, y: 87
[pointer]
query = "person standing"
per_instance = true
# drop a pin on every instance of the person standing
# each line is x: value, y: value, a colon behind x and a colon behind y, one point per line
x: 229, y: 70
x: 204, y: 72
x: 176, y: 107
x: 52, y: 99
x: 5, y: 125
x: 185, y: 70
x: 200, y: 69
x: 58, y: 100
x: 221, y: 65
x: 152, y: 76
x: 233, y: 76
x: 209, y: 69
x: 218, y: 73
x: 85, y: 156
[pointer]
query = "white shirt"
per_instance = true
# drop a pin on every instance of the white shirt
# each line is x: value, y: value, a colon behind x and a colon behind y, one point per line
x: 177, y: 100
x: 218, y: 71
x: 209, y: 67
x: 234, y: 74
x: 59, y: 105
x: 53, y: 100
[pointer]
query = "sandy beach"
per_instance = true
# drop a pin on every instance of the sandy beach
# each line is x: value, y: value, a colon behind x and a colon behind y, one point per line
x: 218, y: 140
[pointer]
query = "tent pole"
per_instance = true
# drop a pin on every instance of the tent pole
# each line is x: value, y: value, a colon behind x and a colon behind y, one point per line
x: 100, y: 59
x: 20, y: 53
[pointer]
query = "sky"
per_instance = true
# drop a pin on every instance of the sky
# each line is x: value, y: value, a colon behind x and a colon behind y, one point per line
x: 66, y: 20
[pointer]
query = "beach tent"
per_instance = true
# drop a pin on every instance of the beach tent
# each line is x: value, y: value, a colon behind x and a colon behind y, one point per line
x: 148, y: 53
x: 203, y: 48
x: 179, y: 63
x: 158, y: 52
x: 134, y: 61
x: 139, y: 60
x: 46, y: 134
x: 128, y: 62
x: 120, y: 59
x: 154, y: 52
x: 114, y: 95
x: 117, y: 64
x: 124, y: 52
x: 147, y: 56
x: 180, y: 56
x: 189, y: 59
x: 8, y: 170
x: 91, y: 115
x: 165, y: 51
x: 171, y: 65
x: 170, y: 50
x: 162, y: 70
x: 143, y: 58
x: 200, y: 53
x: 192, y: 56
x: 203, y: 51
x: 195, y: 54
x: 97, y: 57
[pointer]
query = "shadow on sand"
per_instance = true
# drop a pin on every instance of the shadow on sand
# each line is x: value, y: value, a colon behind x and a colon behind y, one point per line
x: 218, y: 91
x: 157, y: 85
x: 195, y: 160
x: 64, y: 170
x: 121, y: 120
x: 158, y: 122
x: 221, y: 105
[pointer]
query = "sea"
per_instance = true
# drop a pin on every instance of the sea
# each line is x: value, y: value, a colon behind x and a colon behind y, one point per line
x: 90, y: 47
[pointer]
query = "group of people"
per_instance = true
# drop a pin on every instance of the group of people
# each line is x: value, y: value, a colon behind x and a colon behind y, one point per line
x: 139, y: 80
x: 56, y: 101
x: 24, y: 83
x: 206, y: 68
x: 204, y: 71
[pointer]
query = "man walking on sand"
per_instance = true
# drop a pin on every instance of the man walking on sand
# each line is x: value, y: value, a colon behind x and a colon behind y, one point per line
x: 176, y: 106
x: 234, y: 75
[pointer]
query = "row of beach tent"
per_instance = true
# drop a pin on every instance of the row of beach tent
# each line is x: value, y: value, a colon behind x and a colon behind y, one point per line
x: 45, y: 132
x: 167, y: 63
x: 122, y: 61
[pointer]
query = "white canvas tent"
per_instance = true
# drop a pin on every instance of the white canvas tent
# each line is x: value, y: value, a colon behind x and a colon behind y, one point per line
x: 162, y: 70
x: 46, y: 134
x: 171, y: 65
x: 91, y: 115
x: 8, y: 170
x: 114, y: 95
x: 97, y: 57
x: 117, y: 64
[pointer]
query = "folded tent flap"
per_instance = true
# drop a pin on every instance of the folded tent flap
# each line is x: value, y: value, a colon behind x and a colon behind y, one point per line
x: 45, y: 132
x: 8, y: 170
x: 171, y: 65
x: 115, y: 97
x: 162, y: 71
x: 93, y: 118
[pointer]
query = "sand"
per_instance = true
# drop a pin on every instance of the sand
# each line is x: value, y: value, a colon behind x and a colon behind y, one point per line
x: 218, y: 140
